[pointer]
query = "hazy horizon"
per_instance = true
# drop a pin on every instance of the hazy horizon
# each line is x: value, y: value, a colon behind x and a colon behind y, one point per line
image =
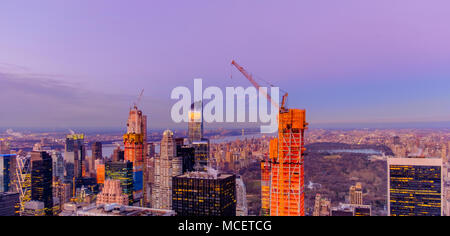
x: 83, y: 63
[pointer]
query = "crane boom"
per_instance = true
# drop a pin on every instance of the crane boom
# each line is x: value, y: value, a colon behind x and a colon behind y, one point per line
x: 255, y: 84
x: 138, y: 100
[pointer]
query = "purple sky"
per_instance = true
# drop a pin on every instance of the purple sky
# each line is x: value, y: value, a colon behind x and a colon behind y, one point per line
x: 82, y: 63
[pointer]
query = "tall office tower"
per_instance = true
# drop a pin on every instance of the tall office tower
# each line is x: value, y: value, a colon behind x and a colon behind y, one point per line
x: 135, y: 143
x: 8, y: 202
x: 74, y: 156
x: 195, y: 125
x: 7, y: 172
x: 112, y: 193
x: 41, y: 180
x: 122, y: 171
x: 415, y: 186
x: 241, y: 198
x: 97, y: 150
x: 322, y: 206
x: 118, y: 155
x: 355, y: 194
x: 265, y: 185
x: 187, y: 153
x: 201, y: 155
x: 204, y: 194
x: 287, y: 170
x: 167, y: 166
x: 58, y: 165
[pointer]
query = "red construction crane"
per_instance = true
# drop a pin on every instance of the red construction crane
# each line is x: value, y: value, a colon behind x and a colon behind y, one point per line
x: 257, y: 86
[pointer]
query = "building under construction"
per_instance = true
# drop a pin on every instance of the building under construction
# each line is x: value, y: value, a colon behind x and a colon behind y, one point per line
x: 282, y: 175
x: 286, y: 165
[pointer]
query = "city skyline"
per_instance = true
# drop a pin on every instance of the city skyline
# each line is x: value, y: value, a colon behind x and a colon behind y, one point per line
x: 347, y: 62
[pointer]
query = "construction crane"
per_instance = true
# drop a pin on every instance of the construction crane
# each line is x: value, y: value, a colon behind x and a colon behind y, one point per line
x: 249, y: 77
x: 138, y: 100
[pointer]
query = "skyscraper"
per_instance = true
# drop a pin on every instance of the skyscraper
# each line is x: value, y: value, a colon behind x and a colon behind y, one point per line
x: 135, y: 143
x: 41, y: 180
x: 287, y: 170
x: 167, y: 165
x: 7, y: 172
x: 415, y: 186
x: 58, y: 165
x: 74, y: 156
x: 97, y: 150
x: 204, y: 194
x: 201, y: 154
x: 195, y: 126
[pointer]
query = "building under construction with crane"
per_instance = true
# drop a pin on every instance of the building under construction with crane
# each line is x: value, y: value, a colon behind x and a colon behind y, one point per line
x: 282, y: 173
x: 135, y: 145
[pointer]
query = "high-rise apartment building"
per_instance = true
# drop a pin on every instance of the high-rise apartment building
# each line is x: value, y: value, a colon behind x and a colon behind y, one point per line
x: 356, y: 194
x: 415, y: 186
x: 41, y: 180
x: 204, y: 194
x: 167, y: 166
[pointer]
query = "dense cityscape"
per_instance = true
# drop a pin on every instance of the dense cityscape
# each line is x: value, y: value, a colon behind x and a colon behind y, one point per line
x: 346, y: 172
x: 223, y: 115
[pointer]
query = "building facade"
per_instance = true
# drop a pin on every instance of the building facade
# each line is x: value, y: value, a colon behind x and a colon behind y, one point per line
x: 204, y: 194
x: 415, y: 186
x: 42, y: 180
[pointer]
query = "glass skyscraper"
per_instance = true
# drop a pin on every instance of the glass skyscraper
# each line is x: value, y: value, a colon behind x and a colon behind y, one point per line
x: 415, y: 186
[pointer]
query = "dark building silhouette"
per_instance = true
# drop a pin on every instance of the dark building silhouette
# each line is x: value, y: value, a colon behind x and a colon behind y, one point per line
x: 118, y: 155
x: 97, y: 150
x: 8, y: 201
x: 41, y: 180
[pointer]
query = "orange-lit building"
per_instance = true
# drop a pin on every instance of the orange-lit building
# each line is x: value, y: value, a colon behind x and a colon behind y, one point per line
x: 265, y: 187
x: 101, y: 174
x: 286, y: 165
x: 135, y: 149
